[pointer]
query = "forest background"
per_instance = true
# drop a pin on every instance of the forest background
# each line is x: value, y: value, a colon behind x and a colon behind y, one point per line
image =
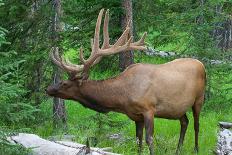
x: 191, y: 28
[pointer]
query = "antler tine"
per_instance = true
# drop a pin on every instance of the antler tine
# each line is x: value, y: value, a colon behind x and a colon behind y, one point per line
x: 123, y: 38
x: 54, y: 57
x: 128, y: 26
x: 56, y: 54
x: 117, y: 49
x: 95, y: 42
x: 106, y: 37
x: 83, y: 61
x: 129, y: 23
x: 94, y: 58
x: 106, y: 31
x: 141, y: 41
x: 71, y: 68
x: 97, y: 32
x: 57, y: 59
x: 91, y: 42
x: 66, y: 65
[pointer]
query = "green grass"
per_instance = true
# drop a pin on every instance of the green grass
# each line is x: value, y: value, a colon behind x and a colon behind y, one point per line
x: 84, y: 123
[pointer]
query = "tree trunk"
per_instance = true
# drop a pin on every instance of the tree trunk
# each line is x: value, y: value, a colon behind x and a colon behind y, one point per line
x: 127, y: 58
x: 38, y: 66
x: 59, y: 113
x: 223, y: 31
x: 38, y: 79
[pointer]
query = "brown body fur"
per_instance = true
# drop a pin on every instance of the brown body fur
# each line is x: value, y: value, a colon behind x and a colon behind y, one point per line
x: 145, y: 91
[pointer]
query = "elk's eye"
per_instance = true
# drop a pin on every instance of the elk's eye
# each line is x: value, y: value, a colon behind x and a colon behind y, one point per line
x: 64, y: 83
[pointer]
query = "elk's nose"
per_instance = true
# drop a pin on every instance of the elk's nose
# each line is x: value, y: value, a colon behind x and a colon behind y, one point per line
x: 50, y: 90
x: 46, y: 90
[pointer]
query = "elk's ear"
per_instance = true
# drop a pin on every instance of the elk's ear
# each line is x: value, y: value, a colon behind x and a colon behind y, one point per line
x: 72, y: 76
x: 76, y: 79
x: 64, y: 83
x: 80, y: 80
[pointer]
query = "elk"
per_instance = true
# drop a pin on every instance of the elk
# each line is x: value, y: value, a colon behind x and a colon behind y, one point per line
x: 142, y: 91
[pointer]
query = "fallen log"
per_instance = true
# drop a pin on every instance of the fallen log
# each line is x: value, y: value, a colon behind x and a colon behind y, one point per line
x: 224, y: 144
x: 164, y: 54
x: 40, y: 146
x: 226, y: 125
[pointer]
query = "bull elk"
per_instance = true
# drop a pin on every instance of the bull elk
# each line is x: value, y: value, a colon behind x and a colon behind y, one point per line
x: 142, y: 91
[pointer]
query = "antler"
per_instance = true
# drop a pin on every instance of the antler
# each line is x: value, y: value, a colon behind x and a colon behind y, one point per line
x: 66, y: 65
x: 122, y: 44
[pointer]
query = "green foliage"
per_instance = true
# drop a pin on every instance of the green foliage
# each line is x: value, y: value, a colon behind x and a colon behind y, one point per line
x: 181, y: 26
x: 7, y: 148
x: 2, y: 36
x: 14, y: 107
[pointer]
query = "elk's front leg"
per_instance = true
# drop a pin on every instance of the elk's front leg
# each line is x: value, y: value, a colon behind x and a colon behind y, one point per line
x: 149, y: 127
x: 139, y: 135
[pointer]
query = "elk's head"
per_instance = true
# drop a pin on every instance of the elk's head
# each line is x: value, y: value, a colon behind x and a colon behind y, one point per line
x: 63, y: 89
x: 78, y: 73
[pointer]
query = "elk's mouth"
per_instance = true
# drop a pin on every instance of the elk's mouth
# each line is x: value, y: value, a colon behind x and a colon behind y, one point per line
x: 51, y: 91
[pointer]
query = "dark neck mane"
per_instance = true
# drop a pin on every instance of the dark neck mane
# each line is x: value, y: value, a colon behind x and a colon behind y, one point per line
x: 93, y: 94
x: 93, y: 105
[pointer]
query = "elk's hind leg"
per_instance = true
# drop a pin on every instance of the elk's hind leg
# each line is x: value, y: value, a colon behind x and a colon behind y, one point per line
x: 184, y: 124
x: 139, y: 135
x: 196, y: 112
x: 149, y: 127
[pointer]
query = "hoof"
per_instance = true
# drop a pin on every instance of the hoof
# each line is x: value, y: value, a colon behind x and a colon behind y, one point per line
x: 177, y: 152
x: 196, y: 150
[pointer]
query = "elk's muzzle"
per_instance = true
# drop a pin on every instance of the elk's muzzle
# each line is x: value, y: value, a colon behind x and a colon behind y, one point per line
x: 52, y: 90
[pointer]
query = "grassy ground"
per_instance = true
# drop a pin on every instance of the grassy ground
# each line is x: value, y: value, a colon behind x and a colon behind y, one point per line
x: 85, y: 123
